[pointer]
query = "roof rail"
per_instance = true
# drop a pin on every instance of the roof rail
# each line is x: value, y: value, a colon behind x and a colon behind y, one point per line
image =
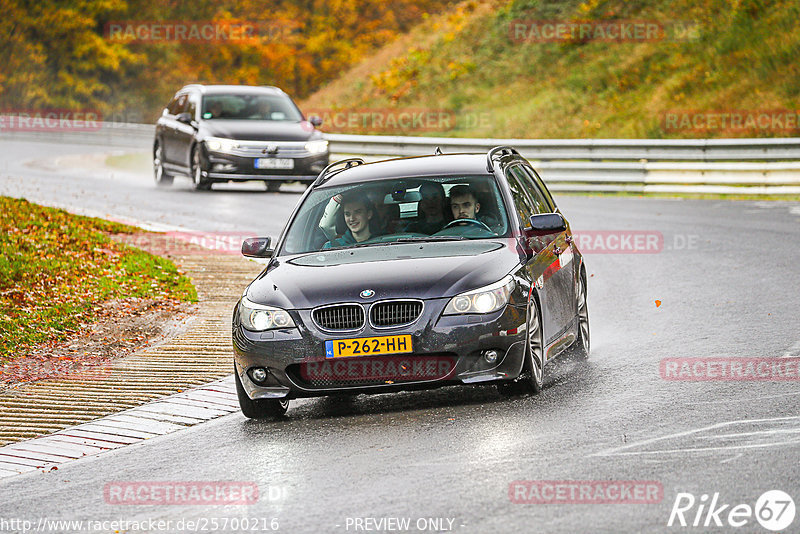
x: 502, y: 150
x: 328, y: 172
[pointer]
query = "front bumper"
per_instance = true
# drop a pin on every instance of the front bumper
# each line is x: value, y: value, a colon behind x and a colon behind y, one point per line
x: 229, y: 167
x: 455, y: 343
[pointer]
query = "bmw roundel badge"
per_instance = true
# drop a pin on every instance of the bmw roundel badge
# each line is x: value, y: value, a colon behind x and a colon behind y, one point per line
x: 367, y: 294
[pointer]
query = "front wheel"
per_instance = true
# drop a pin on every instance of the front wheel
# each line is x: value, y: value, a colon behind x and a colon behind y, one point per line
x: 531, y: 380
x: 259, y: 408
x: 200, y: 183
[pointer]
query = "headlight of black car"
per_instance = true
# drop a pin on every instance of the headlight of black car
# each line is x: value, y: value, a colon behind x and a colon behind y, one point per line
x: 483, y: 300
x: 257, y: 317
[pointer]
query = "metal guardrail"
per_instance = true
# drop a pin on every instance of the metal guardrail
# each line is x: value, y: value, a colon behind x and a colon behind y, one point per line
x: 581, y: 149
x: 716, y: 166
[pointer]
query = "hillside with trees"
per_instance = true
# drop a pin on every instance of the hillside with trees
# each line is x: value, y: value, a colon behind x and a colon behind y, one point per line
x: 527, y: 69
x: 125, y: 59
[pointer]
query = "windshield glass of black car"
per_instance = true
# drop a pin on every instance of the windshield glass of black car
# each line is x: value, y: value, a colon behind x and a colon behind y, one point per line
x: 388, y: 212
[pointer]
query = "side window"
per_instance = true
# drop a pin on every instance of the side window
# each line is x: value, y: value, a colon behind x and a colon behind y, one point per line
x: 534, y: 197
x: 538, y: 190
x: 192, y: 104
x: 522, y: 205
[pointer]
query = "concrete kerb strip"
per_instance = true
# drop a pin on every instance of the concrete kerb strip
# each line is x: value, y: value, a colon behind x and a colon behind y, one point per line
x: 135, y: 425
x: 47, y: 407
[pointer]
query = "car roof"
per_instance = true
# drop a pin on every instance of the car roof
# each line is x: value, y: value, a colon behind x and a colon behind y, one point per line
x: 445, y: 164
x: 235, y: 89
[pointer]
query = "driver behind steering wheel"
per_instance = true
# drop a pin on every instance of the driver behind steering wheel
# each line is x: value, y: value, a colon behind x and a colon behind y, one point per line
x: 464, y: 203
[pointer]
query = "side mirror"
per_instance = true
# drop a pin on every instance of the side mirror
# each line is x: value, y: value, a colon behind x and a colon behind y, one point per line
x: 185, y: 117
x: 316, y: 121
x: 257, y: 247
x: 545, y: 224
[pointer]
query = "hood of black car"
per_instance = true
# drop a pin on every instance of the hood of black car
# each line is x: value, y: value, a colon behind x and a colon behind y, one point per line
x: 423, y: 271
x: 256, y: 130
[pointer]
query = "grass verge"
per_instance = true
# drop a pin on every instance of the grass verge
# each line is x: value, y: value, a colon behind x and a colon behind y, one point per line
x: 57, y: 269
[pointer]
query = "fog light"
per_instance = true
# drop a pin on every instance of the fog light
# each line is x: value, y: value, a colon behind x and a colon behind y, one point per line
x: 259, y: 374
x: 490, y: 356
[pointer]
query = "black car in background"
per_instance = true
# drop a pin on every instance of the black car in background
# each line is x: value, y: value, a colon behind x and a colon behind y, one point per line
x: 411, y: 273
x: 223, y: 133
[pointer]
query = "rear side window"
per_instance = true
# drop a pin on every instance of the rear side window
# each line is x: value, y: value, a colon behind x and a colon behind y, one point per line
x: 537, y: 188
x: 522, y: 204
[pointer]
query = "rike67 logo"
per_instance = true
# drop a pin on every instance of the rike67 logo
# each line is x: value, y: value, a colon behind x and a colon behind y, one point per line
x: 774, y: 510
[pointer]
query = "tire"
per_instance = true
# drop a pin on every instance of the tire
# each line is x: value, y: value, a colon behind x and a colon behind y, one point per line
x: 273, y: 186
x: 259, y: 408
x: 199, y: 183
x: 580, y: 349
x: 160, y: 176
x: 531, y: 380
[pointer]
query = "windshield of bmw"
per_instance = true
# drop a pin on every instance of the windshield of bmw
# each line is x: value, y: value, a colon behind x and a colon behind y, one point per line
x: 403, y: 210
x: 250, y: 107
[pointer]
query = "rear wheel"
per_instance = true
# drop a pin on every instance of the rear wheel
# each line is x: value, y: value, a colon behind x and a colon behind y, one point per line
x: 259, y: 408
x: 200, y: 183
x: 531, y: 380
x: 160, y: 176
x: 580, y: 349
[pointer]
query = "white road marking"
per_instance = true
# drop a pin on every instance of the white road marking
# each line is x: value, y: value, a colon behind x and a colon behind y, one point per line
x: 135, y: 425
x: 732, y: 459
x: 793, y: 352
x: 750, y: 399
x: 618, y: 451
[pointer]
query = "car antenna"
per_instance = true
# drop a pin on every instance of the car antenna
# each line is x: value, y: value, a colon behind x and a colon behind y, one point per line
x: 437, y: 152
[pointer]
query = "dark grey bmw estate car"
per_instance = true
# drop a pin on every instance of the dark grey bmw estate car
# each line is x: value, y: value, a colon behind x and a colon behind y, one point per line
x: 411, y: 273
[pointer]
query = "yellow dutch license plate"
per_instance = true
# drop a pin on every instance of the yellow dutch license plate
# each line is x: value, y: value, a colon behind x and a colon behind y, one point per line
x: 367, y: 346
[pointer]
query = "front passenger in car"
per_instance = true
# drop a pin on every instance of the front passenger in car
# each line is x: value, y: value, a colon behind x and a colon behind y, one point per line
x: 357, y: 211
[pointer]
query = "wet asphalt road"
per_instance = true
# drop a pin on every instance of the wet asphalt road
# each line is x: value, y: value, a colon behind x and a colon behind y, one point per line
x: 727, y: 278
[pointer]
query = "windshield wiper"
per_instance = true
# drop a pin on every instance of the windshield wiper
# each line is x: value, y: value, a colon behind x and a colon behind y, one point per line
x: 431, y: 238
x: 399, y: 240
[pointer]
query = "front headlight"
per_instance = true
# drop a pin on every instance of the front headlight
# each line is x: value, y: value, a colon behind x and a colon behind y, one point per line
x: 218, y: 144
x: 484, y: 300
x: 317, y: 147
x: 257, y: 317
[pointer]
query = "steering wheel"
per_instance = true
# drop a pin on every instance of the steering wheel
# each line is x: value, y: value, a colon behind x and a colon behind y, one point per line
x: 476, y: 222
